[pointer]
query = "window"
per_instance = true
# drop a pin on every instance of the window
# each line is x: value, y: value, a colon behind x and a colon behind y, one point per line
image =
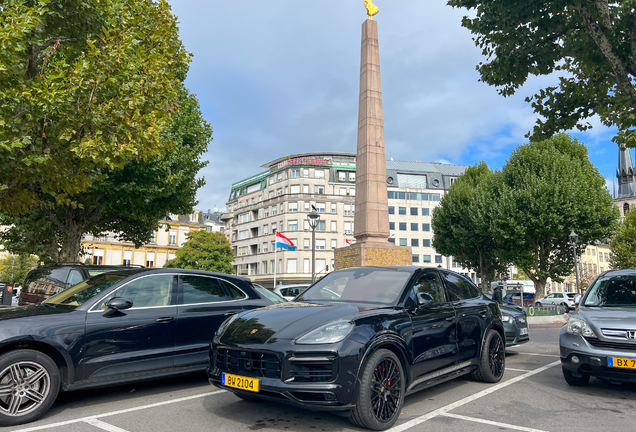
x: 333, y: 226
x: 402, y: 210
x: 286, y: 190
x: 145, y: 292
x: 291, y: 265
x: 430, y: 283
x: 305, y: 173
x: 352, y: 191
x: 153, y: 238
x: 306, y: 265
x: 342, y: 176
x: 293, y: 207
x: 413, y: 211
x: 244, y: 217
x: 274, y: 210
x: 172, y: 239
x: 264, y: 267
x: 306, y: 225
x: 391, y: 225
x: 295, y: 173
x: 265, y: 229
x: 333, y: 209
x: 320, y: 244
x: 265, y: 248
x: 295, y: 189
x: 415, y: 259
x: 197, y: 289
x: 402, y: 242
x: 271, y: 267
x: 320, y: 265
x: 343, y: 191
x: 274, y: 226
x: 271, y: 194
x: 292, y: 225
x: 415, y: 242
x: 319, y: 173
x: 333, y: 244
x: 320, y: 190
x: 307, y: 208
x: 391, y: 210
x: 414, y: 226
x: 271, y: 180
x: 321, y: 226
x: 426, y: 258
x: 279, y: 191
x: 74, y: 278
x: 459, y: 288
x: 127, y: 258
x: 306, y: 244
x: 171, y: 256
x: 426, y: 227
x: 347, y: 210
x: 606, y: 256
x: 425, y: 211
x: 244, y: 234
x: 280, y: 176
x: 426, y: 243
x: 438, y: 259
x: 260, y: 213
x: 600, y: 256
x: 348, y: 227
x: 352, y: 176
x: 403, y: 226
x: 305, y: 189
x: 434, y: 197
x: 320, y: 207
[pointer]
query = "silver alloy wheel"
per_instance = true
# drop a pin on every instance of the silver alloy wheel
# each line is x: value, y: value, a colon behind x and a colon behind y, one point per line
x: 24, y: 386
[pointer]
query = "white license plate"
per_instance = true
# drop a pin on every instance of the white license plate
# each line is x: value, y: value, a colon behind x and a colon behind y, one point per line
x: 523, y: 331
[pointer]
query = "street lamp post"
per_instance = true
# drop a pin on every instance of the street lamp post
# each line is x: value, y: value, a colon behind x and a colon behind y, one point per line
x: 574, y: 237
x: 313, y: 217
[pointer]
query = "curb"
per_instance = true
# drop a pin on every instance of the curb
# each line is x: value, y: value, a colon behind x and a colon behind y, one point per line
x: 556, y: 319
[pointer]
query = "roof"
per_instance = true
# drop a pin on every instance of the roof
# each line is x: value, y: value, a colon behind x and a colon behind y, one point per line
x: 426, y: 167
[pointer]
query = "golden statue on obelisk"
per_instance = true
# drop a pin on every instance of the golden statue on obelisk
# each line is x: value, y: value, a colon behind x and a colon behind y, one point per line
x: 371, y: 8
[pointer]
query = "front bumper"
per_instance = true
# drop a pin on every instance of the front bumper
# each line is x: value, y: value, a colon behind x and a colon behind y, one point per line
x: 593, y: 360
x: 513, y: 329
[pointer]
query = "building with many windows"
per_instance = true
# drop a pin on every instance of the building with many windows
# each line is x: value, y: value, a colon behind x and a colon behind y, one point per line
x: 281, y: 197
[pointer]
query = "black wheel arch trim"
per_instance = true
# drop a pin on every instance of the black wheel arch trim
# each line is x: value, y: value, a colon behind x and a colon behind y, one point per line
x: 386, y: 340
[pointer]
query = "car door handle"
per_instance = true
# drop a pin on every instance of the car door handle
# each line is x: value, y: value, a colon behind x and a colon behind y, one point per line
x: 165, y: 319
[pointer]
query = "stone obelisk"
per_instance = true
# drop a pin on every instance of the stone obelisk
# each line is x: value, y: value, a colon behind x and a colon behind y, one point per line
x: 371, y: 224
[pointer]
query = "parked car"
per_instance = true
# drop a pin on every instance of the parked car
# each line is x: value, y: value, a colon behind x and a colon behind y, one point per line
x: 51, y: 279
x: 599, y: 339
x: 270, y: 295
x: 515, y: 323
x: 515, y: 298
x: 117, y: 327
x: 359, y: 340
x: 567, y: 300
x: 290, y: 292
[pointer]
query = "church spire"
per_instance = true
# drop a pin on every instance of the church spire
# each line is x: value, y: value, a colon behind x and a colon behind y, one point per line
x: 625, y: 174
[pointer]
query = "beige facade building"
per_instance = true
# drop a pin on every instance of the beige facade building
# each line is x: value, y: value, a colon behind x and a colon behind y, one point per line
x: 593, y: 262
x: 281, y: 197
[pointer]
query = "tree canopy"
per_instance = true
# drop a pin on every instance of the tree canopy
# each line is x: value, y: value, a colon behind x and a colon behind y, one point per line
x: 591, y: 45
x: 13, y: 269
x: 129, y: 201
x: 463, y: 223
x: 623, y: 244
x: 210, y: 251
x: 84, y: 87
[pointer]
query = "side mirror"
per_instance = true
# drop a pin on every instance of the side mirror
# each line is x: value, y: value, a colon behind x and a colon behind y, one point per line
x: 424, y: 299
x: 115, y: 305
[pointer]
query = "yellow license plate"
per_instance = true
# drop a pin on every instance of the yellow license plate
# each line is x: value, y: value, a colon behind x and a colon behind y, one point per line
x: 239, y: 382
x: 624, y: 363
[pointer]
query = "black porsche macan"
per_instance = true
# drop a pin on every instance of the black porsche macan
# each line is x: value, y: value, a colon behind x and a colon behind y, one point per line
x: 360, y: 340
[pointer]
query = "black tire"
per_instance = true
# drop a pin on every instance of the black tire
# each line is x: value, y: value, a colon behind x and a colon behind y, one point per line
x: 248, y: 398
x: 537, y: 304
x: 575, y: 381
x: 380, y: 392
x: 492, y: 359
x: 29, y: 384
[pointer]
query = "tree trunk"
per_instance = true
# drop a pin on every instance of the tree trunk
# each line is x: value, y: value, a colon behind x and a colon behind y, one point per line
x: 540, y: 288
x: 71, y: 244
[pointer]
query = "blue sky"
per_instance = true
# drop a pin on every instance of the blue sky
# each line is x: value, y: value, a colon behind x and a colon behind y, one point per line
x: 282, y: 77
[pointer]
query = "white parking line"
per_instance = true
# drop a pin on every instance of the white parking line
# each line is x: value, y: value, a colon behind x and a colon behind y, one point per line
x: 461, y: 402
x: 124, y: 411
x: 105, y: 426
x: 493, y: 423
x: 517, y: 370
x: 537, y: 354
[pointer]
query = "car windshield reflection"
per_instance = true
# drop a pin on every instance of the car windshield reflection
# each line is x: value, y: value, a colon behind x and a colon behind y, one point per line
x: 85, y: 290
x: 615, y: 291
x: 359, y: 285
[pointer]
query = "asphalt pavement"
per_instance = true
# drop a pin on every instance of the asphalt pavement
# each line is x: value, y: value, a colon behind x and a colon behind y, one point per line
x: 533, y: 397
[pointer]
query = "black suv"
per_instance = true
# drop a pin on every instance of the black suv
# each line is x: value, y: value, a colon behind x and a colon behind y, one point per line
x: 51, y: 279
x: 360, y: 340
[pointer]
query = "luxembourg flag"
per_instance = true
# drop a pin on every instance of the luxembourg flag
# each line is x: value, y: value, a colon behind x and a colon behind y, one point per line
x: 284, y: 242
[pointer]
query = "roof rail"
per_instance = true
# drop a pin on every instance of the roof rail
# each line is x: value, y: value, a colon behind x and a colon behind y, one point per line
x: 67, y: 263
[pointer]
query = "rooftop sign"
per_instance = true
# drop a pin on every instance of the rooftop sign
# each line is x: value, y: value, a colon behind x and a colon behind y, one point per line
x: 303, y: 161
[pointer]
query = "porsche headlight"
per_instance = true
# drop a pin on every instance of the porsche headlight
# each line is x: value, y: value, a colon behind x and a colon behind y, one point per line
x: 331, y: 333
x: 579, y: 327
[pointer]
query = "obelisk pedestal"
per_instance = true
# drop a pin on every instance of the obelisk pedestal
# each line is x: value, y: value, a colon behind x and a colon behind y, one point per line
x: 371, y: 223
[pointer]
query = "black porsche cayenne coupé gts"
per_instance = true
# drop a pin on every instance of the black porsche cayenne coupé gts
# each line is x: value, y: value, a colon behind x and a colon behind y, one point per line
x: 361, y: 339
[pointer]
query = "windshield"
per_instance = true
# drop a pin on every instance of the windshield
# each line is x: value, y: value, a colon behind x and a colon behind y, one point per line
x: 86, y: 290
x: 616, y: 291
x: 359, y: 285
x: 270, y: 295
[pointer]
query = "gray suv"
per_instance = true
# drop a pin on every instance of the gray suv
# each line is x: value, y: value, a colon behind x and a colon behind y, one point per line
x: 599, y: 339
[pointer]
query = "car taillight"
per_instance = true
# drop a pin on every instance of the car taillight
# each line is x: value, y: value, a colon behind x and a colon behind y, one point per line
x: 571, y: 299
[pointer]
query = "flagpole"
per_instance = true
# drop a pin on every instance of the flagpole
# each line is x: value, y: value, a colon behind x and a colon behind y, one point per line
x: 275, y: 261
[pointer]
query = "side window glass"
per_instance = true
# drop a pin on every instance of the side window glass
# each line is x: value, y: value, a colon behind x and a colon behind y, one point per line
x: 235, y: 293
x: 431, y: 284
x: 474, y: 291
x: 149, y: 291
x: 197, y: 289
x: 283, y: 292
x: 74, y: 278
x: 458, y: 289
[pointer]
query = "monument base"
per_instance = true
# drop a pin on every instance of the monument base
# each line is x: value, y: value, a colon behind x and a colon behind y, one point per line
x: 372, y: 254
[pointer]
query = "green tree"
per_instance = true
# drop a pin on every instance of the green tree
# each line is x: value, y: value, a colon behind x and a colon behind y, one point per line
x: 128, y: 201
x: 463, y: 223
x: 13, y: 269
x: 550, y: 188
x: 623, y: 244
x: 84, y: 86
x: 590, y: 44
x: 210, y: 251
